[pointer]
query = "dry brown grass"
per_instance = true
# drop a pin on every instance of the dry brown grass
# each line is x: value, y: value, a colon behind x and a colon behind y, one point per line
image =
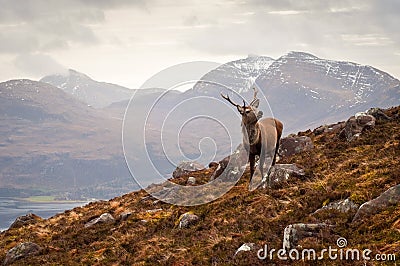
x: 335, y: 169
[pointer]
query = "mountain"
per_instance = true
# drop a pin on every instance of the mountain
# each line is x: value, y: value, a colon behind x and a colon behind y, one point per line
x: 305, y: 91
x: 94, y: 93
x: 59, y: 140
x: 238, y: 75
x: 52, y: 142
x: 298, y: 88
x: 147, y: 231
x: 301, y: 89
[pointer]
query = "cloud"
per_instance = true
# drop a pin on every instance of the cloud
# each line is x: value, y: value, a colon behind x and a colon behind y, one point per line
x: 44, y: 25
x: 17, y: 41
x: 82, y: 10
x: 38, y: 65
x: 277, y: 26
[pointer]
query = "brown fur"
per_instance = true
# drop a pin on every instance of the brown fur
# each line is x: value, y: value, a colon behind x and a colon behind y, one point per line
x: 260, y: 136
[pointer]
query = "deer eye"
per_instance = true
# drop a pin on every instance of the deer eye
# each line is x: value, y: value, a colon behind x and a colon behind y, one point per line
x: 247, y: 111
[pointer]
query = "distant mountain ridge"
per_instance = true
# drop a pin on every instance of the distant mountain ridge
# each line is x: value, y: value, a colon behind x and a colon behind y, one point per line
x: 303, y: 90
x: 238, y: 75
x: 95, y: 93
x: 50, y: 135
x: 313, y: 91
x: 51, y: 141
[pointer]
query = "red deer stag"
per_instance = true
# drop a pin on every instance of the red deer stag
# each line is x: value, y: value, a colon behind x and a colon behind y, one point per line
x: 260, y: 136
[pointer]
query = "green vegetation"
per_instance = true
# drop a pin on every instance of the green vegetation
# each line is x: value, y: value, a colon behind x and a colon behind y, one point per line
x: 41, y: 198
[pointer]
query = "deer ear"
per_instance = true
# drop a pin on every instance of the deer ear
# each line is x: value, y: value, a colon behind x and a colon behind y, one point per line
x: 259, y: 114
x: 255, y: 103
x: 240, y: 109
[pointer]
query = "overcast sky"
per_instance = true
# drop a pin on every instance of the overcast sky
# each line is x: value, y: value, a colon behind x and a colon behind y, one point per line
x: 125, y: 42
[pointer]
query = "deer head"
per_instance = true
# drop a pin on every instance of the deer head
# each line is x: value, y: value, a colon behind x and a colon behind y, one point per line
x: 250, y: 114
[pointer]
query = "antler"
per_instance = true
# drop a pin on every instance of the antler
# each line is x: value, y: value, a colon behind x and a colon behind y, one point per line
x: 229, y: 100
x: 255, y: 96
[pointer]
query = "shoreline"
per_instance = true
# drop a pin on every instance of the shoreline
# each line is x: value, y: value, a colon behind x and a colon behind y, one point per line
x: 33, y: 200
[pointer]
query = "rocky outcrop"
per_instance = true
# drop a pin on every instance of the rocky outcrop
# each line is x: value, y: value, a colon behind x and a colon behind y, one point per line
x: 356, y: 125
x: 295, y: 144
x: 232, y: 166
x: 24, y: 220
x: 186, y: 167
x: 378, y: 114
x: 20, y: 251
x: 281, y: 173
x: 344, y: 206
x: 388, y: 198
x: 293, y: 233
x: 104, y: 218
x: 328, y: 128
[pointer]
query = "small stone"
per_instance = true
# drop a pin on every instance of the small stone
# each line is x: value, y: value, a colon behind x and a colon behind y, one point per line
x: 20, y: 251
x: 154, y: 210
x: 124, y: 216
x: 187, y: 219
x: 191, y: 180
x: 213, y: 164
x: 104, y: 218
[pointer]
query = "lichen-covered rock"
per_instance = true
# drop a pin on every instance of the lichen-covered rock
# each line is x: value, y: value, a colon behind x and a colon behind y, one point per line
x: 293, y: 233
x: 20, y: 251
x: 232, y: 167
x: 378, y: 114
x: 187, y: 219
x: 328, y: 128
x: 295, y: 144
x: 186, y: 167
x: 23, y: 220
x: 386, y: 199
x: 104, y: 218
x: 281, y: 173
x: 345, y: 206
x: 355, y: 125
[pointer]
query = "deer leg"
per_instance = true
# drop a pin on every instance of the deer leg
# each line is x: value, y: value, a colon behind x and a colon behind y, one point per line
x: 261, y: 165
x: 275, y: 152
x: 252, y: 159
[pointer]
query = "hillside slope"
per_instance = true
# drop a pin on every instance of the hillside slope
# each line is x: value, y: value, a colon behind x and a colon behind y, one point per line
x: 335, y: 169
x: 50, y: 140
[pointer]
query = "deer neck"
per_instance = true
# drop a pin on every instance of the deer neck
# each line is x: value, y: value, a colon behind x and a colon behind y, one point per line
x: 252, y: 131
